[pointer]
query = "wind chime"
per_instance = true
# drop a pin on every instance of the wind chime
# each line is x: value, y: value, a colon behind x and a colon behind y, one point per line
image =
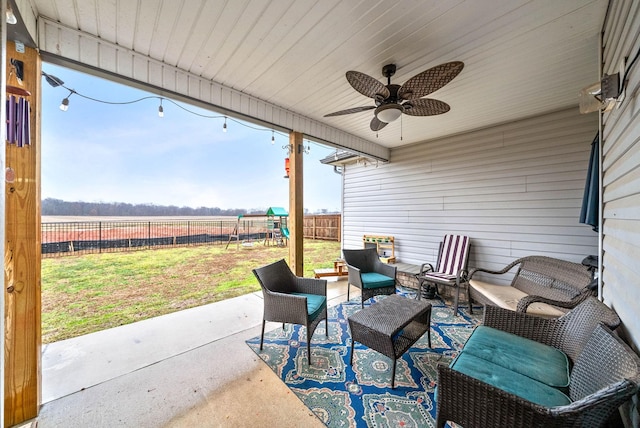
x: 18, y: 110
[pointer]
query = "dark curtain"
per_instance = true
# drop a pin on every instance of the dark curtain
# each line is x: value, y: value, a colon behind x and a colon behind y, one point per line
x: 591, y: 200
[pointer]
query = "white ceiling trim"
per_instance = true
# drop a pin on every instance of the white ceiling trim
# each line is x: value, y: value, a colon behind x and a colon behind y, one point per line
x: 59, y: 43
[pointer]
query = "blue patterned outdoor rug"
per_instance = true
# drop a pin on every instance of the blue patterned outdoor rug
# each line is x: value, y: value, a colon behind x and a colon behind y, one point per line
x: 361, y: 396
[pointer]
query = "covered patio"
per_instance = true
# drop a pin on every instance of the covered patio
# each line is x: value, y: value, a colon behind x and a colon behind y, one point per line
x: 505, y: 165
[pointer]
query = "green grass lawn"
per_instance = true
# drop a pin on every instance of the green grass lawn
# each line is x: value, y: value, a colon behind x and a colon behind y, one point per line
x: 88, y: 293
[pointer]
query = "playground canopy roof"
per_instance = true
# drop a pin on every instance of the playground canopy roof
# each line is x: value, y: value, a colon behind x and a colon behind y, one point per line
x: 271, y: 212
x: 277, y: 212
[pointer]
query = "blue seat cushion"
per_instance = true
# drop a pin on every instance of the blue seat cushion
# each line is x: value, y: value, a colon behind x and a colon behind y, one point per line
x: 509, y: 381
x: 315, y: 303
x: 376, y: 280
x: 540, y: 362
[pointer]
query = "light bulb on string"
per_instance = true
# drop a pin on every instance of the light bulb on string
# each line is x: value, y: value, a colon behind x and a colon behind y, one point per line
x: 273, y: 137
x: 224, y: 127
x: 64, y: 105
x: 160, y: 109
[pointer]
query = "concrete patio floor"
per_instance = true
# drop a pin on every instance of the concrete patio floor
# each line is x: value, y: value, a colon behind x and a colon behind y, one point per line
x: 187, y: 369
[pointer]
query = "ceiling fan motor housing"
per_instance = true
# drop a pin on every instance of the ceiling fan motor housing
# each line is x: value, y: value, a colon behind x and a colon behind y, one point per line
x: 392, y: 98
x: 389, y: 70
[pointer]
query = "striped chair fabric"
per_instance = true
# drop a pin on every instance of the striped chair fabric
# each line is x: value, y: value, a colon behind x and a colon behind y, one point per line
x: 451, y: 266
x: 455, y: 251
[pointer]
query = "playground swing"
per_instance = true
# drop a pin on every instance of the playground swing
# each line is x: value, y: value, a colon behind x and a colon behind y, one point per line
x: 277, y: 232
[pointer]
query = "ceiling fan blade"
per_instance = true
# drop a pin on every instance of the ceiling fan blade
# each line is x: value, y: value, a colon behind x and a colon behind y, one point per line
x: 367, y: 85
x: 425, y: 107
x: 350, y: 110
x: 430, y: 80
x: 376, y: 124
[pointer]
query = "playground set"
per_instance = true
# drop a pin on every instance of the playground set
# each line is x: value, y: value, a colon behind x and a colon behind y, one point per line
x: 277, y: 232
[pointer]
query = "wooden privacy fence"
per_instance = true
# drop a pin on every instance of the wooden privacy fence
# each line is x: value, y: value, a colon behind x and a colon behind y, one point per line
x: 327, y: 227
x: 66, y: 238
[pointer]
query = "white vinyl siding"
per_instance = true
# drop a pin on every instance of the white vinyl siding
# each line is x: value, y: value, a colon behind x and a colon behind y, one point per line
x: 621, y: 152
x: 516, y: 189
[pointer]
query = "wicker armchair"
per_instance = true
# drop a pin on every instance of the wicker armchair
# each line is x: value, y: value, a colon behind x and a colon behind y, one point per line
x: 292, y: 299
x: 555, y: 282
x: 605, y: 373
x: 369, y: 274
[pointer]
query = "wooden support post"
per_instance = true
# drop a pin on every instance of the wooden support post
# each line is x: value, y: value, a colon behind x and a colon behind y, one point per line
x: 22, y: 311
x: 296, y: 216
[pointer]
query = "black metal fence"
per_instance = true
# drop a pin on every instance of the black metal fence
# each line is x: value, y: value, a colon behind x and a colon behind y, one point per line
x: 65, y: 238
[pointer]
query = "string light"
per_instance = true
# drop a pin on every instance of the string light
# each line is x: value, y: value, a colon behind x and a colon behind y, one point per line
x: 64, y: 106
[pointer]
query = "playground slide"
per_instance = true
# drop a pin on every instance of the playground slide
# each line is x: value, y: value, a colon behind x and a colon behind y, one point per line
x: 285, y: 232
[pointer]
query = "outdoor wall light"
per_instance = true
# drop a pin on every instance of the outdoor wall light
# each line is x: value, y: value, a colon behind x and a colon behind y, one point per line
x: 388, y: 112
x: 10, y: 16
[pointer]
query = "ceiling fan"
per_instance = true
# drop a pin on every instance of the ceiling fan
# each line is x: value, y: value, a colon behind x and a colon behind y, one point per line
x: 393, y: 100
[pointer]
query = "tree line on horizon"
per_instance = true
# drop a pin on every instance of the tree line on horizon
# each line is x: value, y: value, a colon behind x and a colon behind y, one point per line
x: 52, y: 207
x: 58, y: 207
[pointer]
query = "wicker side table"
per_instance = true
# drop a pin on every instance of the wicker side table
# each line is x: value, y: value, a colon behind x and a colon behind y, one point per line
x: 391, y: 326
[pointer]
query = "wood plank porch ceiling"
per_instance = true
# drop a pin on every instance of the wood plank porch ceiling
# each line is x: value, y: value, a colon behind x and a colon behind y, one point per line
x: 521, y: 57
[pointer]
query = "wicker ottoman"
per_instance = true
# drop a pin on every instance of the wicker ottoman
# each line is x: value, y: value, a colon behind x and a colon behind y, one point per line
x: 391, y: 326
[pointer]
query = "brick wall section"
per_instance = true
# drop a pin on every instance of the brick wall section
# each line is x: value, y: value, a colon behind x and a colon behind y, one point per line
x: 407, y: 280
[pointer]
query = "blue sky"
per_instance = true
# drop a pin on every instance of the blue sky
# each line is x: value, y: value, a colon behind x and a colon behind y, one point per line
x: 97, y: 152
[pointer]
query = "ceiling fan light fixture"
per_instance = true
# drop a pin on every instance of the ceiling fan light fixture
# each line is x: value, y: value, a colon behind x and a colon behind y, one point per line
x: 388, y: 112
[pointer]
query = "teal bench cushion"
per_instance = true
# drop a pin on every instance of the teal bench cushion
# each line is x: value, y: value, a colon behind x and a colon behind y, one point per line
x: 315, y: 303
x: 509, y: 381
x: 376, y: 280
x: 540, y: 362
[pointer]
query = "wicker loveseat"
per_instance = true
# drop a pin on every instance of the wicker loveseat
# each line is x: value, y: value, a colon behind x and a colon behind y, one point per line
x: 542, y: 286
x: 494, y: 382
